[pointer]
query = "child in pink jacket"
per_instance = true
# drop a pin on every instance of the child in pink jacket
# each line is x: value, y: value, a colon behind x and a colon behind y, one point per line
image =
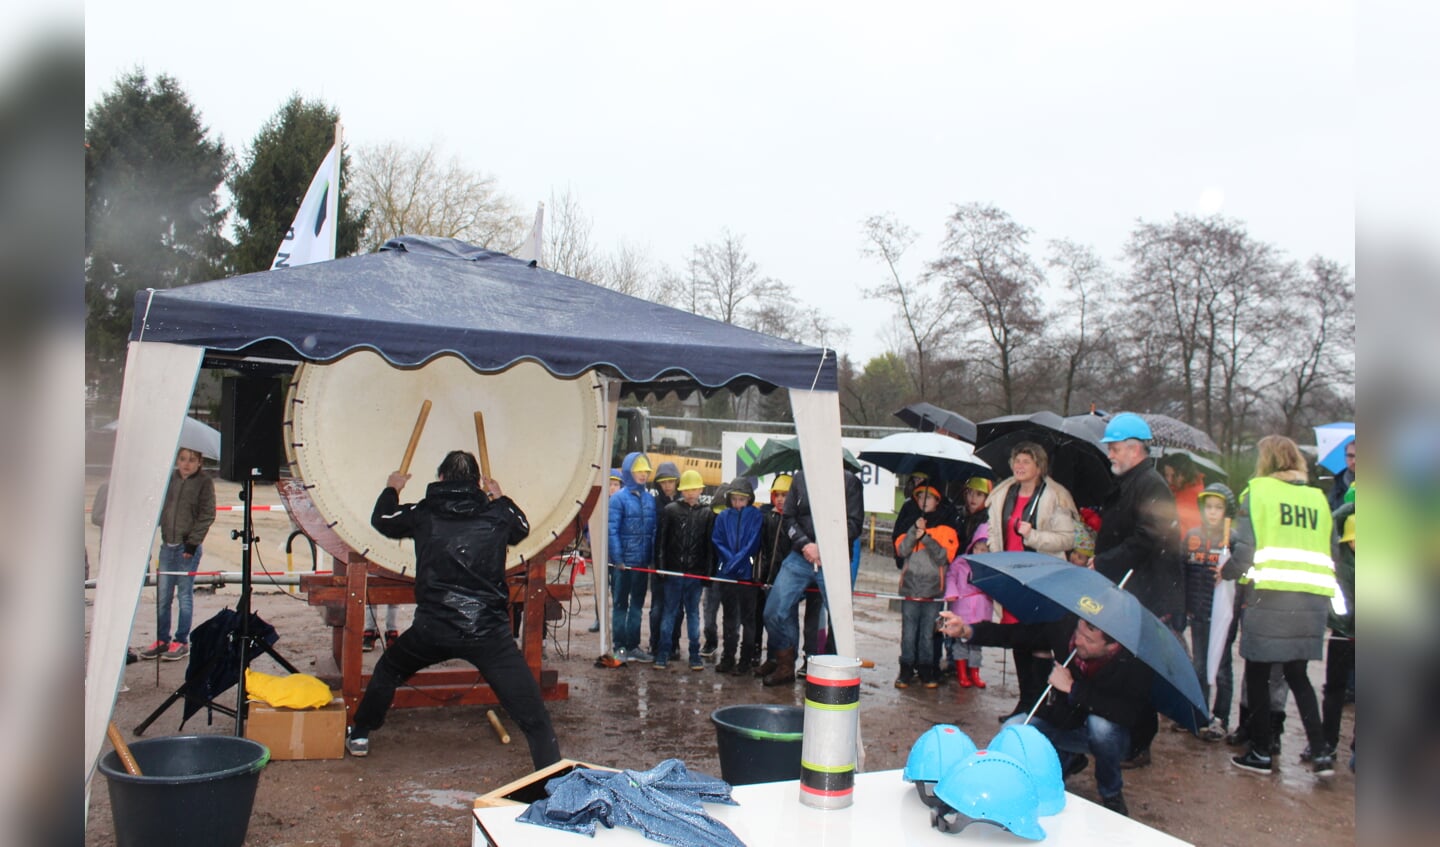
x: 971, y: 605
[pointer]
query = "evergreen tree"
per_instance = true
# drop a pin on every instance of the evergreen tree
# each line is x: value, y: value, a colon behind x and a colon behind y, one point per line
x: 267, y: 191
x: 152, y: 219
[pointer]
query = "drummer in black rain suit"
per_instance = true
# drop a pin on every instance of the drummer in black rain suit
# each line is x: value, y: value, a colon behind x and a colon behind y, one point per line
x: 462, y: 603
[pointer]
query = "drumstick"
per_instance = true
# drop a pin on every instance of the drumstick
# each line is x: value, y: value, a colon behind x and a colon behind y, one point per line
x: 122, y: 750
x: 484, y: 451
x: 495, y: 722
x: 415, y: 437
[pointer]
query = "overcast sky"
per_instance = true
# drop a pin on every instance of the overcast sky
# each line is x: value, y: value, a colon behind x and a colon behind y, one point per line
x: 789, y: 123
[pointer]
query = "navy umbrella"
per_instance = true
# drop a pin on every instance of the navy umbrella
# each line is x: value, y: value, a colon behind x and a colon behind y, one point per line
x: 927, y: 417
x: 1078, y: 460
x: 1037, y: 588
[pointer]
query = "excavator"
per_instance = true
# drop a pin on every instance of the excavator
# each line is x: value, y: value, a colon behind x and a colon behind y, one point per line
x: 634, y: 433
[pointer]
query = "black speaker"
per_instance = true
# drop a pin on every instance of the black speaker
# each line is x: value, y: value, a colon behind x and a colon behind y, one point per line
x: 251, y: 412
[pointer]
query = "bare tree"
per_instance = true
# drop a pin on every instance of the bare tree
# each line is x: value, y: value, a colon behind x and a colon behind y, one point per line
x: 416, y: 191
x: 922, y: 307
x: 725, y: 283
x: 569, y: 249
x: 628, y: 270
x: 985, y: 261
x: 1319, y: 357
x: 1087, y: 282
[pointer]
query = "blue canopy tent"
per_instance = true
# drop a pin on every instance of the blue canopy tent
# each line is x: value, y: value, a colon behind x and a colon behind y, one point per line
x: 417, y: 299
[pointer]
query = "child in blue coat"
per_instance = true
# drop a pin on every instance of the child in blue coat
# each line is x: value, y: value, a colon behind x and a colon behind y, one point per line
x: 737, y: 541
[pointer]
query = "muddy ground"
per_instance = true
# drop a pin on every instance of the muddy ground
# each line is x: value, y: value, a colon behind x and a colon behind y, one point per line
x: 427, y: 765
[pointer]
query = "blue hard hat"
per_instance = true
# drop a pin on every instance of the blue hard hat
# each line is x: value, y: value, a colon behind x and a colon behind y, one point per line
x: 1032, y: 749
x: 1126, y: 425
x: 940, y: 748
x: 991, y: 787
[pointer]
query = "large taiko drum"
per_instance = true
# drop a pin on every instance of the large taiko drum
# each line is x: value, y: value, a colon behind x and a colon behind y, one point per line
x: 351, y: 420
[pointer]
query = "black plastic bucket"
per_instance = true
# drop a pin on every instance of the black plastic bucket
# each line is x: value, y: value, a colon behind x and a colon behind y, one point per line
x: 193, y: 790
x: 759, y: 743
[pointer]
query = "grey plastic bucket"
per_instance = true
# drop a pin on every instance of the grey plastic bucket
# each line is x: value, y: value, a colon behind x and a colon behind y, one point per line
x: 759, y: 743
x: 192, y: 790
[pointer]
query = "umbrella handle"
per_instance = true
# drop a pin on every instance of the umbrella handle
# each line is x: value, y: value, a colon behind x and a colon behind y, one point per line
x: 1048, y: 688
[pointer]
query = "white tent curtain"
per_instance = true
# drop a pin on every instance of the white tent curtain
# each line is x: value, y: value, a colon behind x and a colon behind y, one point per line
x: 817, y: 422
x: 600, y: 521
x: 159, y: 380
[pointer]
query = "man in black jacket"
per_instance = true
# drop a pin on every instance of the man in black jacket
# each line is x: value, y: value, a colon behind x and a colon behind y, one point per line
x: 1093, y: 705
x: 800, y: 570
x: 462, y: 603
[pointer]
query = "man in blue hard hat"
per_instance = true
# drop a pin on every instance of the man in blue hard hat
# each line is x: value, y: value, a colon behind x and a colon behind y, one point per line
x: 1139, y: 538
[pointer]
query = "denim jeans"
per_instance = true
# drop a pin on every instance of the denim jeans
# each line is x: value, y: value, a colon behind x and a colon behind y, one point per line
x: 917, y: 633
x: 781, y: 621
x: 1108, y: 742
x: 172, y: 558
x: 682, y: 596
x: 628, y: 607
x: 658, y: 586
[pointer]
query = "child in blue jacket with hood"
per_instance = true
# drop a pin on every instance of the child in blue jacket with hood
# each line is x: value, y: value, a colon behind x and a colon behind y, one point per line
x: 632, y: 545
x: 737, y: 541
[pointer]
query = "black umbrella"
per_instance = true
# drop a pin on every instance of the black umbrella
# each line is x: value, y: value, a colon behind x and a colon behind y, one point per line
x: 1037, y: 588
x: 1078, y: 460
x: 1212, y: 471
x: 930, y: 418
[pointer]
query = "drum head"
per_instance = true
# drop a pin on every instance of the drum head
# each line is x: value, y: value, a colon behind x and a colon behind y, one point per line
x: 351, y: 420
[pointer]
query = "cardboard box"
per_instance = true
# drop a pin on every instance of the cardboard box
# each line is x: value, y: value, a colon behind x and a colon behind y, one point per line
x: 298, y: 733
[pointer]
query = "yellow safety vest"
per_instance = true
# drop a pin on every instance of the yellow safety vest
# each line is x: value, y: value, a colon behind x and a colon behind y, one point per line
x: 1292, y: 539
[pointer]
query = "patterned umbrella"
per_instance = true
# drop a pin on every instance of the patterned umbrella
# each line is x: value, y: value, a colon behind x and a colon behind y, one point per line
x: 1170, y: 432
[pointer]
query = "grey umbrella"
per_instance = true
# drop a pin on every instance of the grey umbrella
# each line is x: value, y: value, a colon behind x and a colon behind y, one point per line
x: 927, y: 417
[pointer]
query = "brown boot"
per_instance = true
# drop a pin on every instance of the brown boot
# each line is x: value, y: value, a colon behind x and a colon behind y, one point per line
x: 768, y: 667
x: 784, y: 668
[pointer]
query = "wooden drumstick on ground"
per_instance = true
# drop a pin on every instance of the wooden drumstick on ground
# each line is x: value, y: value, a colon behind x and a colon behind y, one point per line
x: 415, y: 437
x: 480, y: 440
x: 496, y: 725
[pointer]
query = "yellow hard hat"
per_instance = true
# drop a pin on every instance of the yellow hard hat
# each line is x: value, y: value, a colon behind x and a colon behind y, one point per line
x: 978, y: 483
x: 640, y: 465
x: 781, y: 483
x: 690, y: 480
x: 1349, y: 533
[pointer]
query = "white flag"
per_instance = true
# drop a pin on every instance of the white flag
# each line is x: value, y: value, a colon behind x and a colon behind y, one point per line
x: 311, y: 238
x: 530, y: 251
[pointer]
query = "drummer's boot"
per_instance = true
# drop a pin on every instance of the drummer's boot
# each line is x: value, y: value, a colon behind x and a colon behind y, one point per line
x: 784, y: 672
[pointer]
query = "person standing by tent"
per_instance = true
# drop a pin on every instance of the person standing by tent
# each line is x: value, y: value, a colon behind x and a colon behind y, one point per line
x: 1282, y: 544
x: 773, y: 549
x: 184, y: 521
x: 800, y: 570
x: 927, y: 550
x: 736, y: 535
x: 682, y: 545
x: 667, y: 478
x: 632, y: 545
x: 462, y: 605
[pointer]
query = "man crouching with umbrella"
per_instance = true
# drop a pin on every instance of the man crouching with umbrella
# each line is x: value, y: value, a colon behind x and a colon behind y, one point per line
x: 462, y: 603
x: 1092, y: 707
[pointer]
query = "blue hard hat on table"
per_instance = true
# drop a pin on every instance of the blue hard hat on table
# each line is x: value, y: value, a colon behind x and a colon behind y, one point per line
x: 1126, y: 425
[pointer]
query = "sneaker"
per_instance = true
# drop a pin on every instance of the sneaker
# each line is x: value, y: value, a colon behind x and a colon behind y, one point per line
x: 638, y: 655
x: 155, y: 650
x: 1139, y: 760
x: 1254, y: 762
x: 708, y: 651
x: 1116, y: 804
x: 697, y: 664
x: 594, y: 627
x: 661, y: 663
x: 902, y: 681
x: 176, y: 652
x: 727, y: 665
x: 358, y: 747
x: 367, y: 640
x: 1214, y: 731
x: 1323, y: 763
